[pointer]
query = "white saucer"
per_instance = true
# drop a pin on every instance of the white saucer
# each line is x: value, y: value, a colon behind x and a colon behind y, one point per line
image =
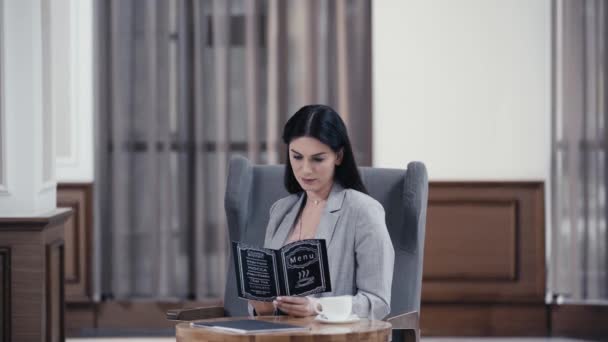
x: 352, y: 318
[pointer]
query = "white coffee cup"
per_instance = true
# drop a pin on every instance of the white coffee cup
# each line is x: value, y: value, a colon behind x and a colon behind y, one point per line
x: 335, y: 308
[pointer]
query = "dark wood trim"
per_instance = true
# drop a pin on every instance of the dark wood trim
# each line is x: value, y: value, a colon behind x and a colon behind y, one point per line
x: 54, y: 290
x: 588, y: 321
x: 140, y: 146
x: 75, y: 185
x: 484, y: 320
x: 37, y: 223
x: 78, y: 249
x: 75, y: 248
x: 5, y: 276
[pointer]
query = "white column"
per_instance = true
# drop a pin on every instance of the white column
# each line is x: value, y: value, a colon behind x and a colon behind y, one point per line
x: 72, y: 88
x: 27, y: 158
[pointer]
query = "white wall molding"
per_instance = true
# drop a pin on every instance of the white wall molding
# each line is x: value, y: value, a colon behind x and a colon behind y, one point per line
x: 66, y: 25
x: 3, y: 176
x: 47, y: 129
x: 77, y: 165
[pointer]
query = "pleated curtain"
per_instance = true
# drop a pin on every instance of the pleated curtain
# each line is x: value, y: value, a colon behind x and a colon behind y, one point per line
x: 182, y: 86
x: 578, y: 240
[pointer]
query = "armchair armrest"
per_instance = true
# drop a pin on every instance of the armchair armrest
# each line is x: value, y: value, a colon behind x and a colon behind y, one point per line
x: 406, y: 327
x: 193, y: 314
x: 408, y: 320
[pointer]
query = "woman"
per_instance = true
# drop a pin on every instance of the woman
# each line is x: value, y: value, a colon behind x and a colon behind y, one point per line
x: 329, y: 201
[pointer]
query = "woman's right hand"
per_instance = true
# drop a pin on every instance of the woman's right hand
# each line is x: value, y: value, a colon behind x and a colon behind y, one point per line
x: 262, y: 308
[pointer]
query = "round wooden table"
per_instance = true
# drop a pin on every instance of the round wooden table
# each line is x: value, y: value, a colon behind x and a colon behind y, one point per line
x: 362, y: 330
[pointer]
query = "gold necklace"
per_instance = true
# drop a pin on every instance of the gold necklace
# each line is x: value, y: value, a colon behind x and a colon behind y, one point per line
x: 317, y: 201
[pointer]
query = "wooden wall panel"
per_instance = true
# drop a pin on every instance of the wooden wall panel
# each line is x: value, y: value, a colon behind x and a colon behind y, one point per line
x: 484, y: 270
x: 485, y: 243
x: 5, y: 294
x: 473, y: 241
x: 36, y: 301
x: 78, y: 240
x: 484, y: 261
x: 55, y: 291
x: 72, y: 254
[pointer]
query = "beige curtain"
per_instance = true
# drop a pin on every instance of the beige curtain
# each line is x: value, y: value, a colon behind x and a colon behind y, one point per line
x: 184, y: 84
x: 578, y: 259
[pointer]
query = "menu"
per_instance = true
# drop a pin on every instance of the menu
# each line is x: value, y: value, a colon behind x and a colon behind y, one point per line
x: 297, y: 269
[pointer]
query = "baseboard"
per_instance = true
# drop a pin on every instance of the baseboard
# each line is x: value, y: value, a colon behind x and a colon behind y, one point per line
x: 484, y: 320
x: 587, y: 321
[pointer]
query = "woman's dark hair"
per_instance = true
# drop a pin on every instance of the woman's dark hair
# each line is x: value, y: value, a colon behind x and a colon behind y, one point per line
x: 324, y: 124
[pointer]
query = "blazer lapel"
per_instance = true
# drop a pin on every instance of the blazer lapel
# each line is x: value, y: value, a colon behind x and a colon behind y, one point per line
x: 285, y: 223
x: 331, y: 214
x: 327, y: 225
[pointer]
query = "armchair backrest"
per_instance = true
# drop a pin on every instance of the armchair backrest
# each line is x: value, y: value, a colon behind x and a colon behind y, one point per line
x: 252, y: 189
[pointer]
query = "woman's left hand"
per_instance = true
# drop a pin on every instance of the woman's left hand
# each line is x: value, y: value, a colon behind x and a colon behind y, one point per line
x: 296, y: 306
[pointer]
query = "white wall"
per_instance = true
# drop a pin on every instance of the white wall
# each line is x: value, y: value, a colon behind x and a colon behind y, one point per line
x: 463, y: 86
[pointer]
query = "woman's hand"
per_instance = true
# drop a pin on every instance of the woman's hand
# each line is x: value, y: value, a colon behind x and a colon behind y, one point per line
x: 296, y: 306
x: 262, y: 308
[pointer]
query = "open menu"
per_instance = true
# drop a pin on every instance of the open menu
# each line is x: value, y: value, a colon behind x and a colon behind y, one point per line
x: 297, y: 269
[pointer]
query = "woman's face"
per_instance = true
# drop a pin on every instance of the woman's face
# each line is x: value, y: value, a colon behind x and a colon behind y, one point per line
x: 313, y: 164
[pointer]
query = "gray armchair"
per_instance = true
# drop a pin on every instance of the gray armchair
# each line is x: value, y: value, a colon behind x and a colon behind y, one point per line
x: 403, y: 193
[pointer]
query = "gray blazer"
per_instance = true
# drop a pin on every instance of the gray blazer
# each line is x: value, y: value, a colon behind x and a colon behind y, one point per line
x: 360, y: 251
